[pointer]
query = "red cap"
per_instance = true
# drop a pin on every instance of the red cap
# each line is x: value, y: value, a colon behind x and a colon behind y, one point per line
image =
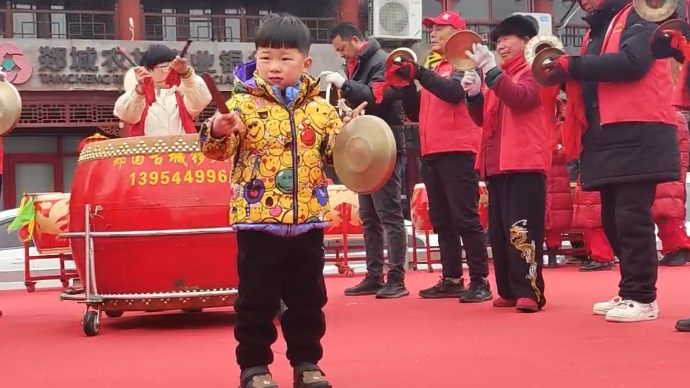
x: 446, y: 19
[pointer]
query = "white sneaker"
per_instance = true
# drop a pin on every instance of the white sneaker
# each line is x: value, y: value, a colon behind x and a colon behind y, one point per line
x: 631, y: 311
x: 604, y: 307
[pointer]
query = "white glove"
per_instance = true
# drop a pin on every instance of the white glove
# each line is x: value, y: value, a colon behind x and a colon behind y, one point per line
x: 471, y: 83
x: 334, y: 78
x: 481, y: 55
x: 3, y: 76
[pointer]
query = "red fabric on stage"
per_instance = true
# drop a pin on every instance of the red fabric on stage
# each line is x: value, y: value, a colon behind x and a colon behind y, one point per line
x: 673, y: 235
x: 598, y: 245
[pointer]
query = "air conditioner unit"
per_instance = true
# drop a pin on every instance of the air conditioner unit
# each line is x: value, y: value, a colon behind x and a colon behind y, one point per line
x: 396, y: 19
x: 543, y: 20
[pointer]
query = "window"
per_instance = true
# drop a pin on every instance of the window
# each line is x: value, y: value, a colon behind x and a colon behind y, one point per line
x: 470, y: 9
x: 560, y: 11
x: 501, y: 9
x: 432, y: 8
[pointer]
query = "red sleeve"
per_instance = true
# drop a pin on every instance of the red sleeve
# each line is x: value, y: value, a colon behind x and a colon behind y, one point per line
x: 520, y: 95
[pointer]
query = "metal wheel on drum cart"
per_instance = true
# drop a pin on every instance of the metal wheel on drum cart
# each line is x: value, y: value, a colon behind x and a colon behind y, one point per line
x: 91, y: 323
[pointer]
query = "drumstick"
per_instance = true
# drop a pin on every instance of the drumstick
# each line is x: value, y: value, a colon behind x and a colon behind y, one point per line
x: 216, y: 97
x: 186, y: 47
x: 125, y: 54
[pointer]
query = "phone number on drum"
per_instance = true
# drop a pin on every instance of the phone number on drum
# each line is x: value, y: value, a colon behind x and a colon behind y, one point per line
x: 152, y: 178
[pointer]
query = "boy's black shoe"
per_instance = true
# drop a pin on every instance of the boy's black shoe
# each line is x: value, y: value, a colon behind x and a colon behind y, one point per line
x: 676, y: 259
x: 369, y: 286
x: 310, y: 376
x: 446, y: 288
x: 394, y: 288
x: 592, y: 265
x: 683, y: 325
x: 257, y: 377
x: 477, y: 292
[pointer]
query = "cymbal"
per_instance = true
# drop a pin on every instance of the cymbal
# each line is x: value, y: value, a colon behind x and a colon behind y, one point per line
x: 456, y: 46
x: 10, y: 107
x: 400, y: 53
x: 675, y: 24
x: 364, y: 155
x: 655, y: 10
x: 543, y: 57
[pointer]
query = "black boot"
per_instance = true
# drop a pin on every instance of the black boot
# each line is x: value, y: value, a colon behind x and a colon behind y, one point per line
x: 553, y: 258
x: 394, y: 287
x: 477, y: 292
x: 676, y: 259
x: 683, y: 325
x: 446, y: 288
x: 310, y: 376
x: 257, y: 377
x: 369, y: 286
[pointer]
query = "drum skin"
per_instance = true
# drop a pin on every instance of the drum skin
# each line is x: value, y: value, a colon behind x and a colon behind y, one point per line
x: 52, y: 218
x: 420, y: 208
x: 154, y: 183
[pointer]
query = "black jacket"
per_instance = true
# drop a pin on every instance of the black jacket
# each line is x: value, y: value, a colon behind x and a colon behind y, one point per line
x: 625, y: 152
x: 371, y: 68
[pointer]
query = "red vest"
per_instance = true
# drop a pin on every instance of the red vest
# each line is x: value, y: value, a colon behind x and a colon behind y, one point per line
x: 525, y: 143
x: 644, y: 100
x: 445, y: 127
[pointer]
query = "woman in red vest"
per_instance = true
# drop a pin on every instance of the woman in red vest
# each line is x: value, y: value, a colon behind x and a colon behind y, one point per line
x: 449, y: 142
x: 559, y: 198
x: 514, y: 157
x: 669, y: 208
x: 622, y: 127
x: 167, y: 98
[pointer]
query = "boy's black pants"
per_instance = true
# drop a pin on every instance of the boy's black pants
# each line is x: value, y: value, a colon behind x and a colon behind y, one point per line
x: 517, y: 204
x: 270, y: 268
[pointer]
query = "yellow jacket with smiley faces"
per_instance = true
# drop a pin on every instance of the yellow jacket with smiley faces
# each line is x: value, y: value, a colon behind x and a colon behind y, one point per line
x: 278, y: 175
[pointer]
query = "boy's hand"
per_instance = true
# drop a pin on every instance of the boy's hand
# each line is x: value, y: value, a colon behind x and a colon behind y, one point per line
x: 141, y: 74
x: 226, y: 124
x: 180, y: 65
x: 358, y: 111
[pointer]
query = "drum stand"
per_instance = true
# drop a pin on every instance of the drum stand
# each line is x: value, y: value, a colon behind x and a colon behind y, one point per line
x: 95, y: 302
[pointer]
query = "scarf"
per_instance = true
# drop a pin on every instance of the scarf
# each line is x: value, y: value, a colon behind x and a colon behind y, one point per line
x: 173, y: 79
x: 511, y: 68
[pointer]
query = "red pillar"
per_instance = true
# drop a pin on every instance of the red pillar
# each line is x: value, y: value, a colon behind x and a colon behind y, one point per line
x: 349, y: 11
x: 129, y: 9
x: 543, y: 6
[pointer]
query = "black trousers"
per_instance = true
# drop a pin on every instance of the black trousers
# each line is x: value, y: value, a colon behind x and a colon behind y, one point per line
x: 452, y: 185
x: 517, y: 204
x: 272, y: 268
x: 626, y: 215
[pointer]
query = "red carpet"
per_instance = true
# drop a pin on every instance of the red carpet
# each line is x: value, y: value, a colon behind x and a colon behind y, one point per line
x: 407, y: 343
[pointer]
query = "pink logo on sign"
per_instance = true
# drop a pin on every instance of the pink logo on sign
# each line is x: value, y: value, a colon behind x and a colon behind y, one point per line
x: 14, y: 63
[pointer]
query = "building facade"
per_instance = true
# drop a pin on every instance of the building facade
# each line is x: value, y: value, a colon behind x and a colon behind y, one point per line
x: 63, y: 57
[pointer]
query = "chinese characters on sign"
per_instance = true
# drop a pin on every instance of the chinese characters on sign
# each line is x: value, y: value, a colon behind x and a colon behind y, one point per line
x: 88, y: 66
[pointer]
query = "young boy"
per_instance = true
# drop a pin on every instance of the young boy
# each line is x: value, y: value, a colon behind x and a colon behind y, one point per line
x: 280, y: 133
x: 167, y: 98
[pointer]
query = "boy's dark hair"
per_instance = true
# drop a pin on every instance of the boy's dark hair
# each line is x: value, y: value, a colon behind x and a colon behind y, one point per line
x: 346, y: 31
x: 155, y: 55
x: 283, y: 31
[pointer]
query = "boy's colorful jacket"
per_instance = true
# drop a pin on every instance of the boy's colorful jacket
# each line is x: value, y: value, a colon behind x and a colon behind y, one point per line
x: 278, y: 175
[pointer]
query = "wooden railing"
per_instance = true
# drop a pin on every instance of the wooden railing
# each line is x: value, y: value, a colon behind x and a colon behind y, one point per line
x: 57, y: 24
x: 220, y: 28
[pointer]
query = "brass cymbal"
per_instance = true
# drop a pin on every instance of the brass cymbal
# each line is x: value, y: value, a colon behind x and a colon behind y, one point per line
x: 655, y: 10
x: 10, y: 107
x: 400, y: 53
x: 456, y: 46
x: 539, y: 43
x: 544, y: 57
x: 364, y: 154
x: 675, y: 24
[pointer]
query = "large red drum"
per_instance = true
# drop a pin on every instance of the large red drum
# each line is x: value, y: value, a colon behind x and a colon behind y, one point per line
x: 52, y: 219
x: 154, y: 183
